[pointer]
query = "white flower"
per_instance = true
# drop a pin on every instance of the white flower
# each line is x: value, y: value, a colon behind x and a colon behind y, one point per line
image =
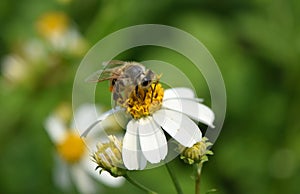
x: 15, y: 68
x: 172, y: 111
x: 57, y: 29
x: 72, y: 159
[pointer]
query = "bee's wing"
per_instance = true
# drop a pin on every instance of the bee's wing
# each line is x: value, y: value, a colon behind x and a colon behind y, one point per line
x: 113, y: 64
x: 99, y: 76
x: 107, y: 72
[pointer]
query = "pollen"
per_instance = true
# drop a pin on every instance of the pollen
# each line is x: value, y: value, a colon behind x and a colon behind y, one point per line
x: 144, y: 102
x: 72, y: 148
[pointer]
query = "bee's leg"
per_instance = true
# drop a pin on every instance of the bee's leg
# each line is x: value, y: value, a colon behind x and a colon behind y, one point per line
x: 118, y: 99
x: 140, y: 94
x: 115, y: 104
x: 145, y: 94
x: 153, y: 89
x: 137, y: 91
x: 115, y: 96
x: 114, y: 91
x: 121, y: 100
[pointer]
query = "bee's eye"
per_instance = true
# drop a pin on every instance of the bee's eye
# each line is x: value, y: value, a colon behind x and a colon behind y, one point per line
x: 113, y: 81
x: 145, y: 82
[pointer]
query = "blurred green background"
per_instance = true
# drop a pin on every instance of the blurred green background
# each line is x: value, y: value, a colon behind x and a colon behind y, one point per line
x: 255, y: 43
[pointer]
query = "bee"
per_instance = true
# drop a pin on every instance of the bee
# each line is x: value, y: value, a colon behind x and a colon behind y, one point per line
x: 125, y: 78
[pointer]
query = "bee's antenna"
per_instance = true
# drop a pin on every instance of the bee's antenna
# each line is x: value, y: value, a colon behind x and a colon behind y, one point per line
x: 153, y: 89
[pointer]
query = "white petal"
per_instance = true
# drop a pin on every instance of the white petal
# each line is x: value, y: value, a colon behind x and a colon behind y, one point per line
x: 178, y: 93
x: 97, y: 123
x: 61, y: 174
x: 152, y: 140
x: 109, y: 180
x: 133, y: 157
x: 82, y: 180
x: 195, y: 110
x: 104, y: 177
x: 179, y: 126
x: 55, y: 128
x: 84, y: 115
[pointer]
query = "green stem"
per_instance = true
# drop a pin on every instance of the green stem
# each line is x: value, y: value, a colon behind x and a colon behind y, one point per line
x: 174, y: 179
x: 139, y: 185
x: 198, y: 168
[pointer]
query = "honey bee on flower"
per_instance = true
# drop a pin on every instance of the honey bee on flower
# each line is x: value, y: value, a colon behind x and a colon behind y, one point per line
x: 125, y: 78
x: 151, y: 111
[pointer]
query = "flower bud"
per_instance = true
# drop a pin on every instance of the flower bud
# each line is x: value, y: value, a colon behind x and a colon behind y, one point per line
x: 197, y: 153
x: 109, y: 157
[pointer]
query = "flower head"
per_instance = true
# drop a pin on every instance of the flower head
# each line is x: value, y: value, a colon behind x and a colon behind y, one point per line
x: 155, y: 111
x: 15, y: 68
x: 53, y: 24
x: 197, y: 153
x: 55, y: 27
x: 73, y: 161
x: 109, y: 157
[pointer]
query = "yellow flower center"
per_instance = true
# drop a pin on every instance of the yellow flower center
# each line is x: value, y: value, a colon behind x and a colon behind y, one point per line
x: 144, y: 102
x: 72, y: 148
x: 52, y: 23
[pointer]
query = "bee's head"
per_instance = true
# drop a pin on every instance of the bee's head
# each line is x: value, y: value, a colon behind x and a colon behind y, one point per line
x: 148, y: 79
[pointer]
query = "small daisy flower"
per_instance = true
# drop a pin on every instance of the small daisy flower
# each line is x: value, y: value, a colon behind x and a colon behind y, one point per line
x: 56, y: 28
x: 153, y: 112
x: 73, y: 162
x: 21, y: 66
x: 52, y: 25
x: 15, y: 68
